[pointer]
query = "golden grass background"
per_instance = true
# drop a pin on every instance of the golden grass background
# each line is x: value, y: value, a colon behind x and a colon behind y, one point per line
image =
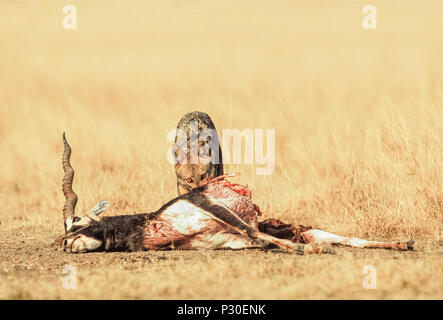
x: 358, y: 113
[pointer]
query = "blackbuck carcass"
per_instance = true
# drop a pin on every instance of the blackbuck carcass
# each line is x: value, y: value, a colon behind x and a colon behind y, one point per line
x: 218, y: 215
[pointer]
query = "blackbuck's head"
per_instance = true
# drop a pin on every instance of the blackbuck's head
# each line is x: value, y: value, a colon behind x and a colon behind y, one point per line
x: 82, y: 233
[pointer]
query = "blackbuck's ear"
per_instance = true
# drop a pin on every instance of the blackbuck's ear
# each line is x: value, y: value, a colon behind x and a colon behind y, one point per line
x: 97, y: 210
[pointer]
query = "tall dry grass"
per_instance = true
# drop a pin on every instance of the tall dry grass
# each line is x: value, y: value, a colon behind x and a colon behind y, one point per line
x: 358, y: 114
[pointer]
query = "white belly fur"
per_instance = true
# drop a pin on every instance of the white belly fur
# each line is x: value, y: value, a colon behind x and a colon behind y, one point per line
x: 220, y: 240
x: 190, y: 220
x: 186, y: 217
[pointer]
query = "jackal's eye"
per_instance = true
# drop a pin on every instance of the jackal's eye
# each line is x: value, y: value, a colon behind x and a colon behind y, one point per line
x: 189, y: 180
x: 76, y: 219
x: 204, y: 176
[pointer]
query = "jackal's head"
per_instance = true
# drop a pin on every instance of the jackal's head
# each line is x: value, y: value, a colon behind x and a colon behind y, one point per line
x: 191, y: 176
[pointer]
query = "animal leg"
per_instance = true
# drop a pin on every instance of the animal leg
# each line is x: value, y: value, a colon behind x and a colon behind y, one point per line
x: 232, y: 221
x: 323, y: 237
x: 281, y: 230
x: 225, y: 240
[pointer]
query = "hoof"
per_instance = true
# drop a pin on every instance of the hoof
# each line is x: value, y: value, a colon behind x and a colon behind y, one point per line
x: 410, y: 244
x: 300, y: 249
x: 403, y: 245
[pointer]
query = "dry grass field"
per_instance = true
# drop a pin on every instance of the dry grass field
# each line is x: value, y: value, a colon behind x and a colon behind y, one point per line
x: 358, y: 119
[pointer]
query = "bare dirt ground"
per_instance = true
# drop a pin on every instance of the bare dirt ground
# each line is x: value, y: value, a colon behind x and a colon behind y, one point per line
x: 358, y: 127
x: 31, y: 269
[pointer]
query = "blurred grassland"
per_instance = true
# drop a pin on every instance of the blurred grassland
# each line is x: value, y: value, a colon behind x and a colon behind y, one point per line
x: 358, y: 113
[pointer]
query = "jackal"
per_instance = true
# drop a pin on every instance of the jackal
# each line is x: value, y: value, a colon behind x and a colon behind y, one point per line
x: 197, y: 151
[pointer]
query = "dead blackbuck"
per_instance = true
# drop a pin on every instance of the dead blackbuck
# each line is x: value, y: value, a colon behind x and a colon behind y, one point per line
x: 218, y: 215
